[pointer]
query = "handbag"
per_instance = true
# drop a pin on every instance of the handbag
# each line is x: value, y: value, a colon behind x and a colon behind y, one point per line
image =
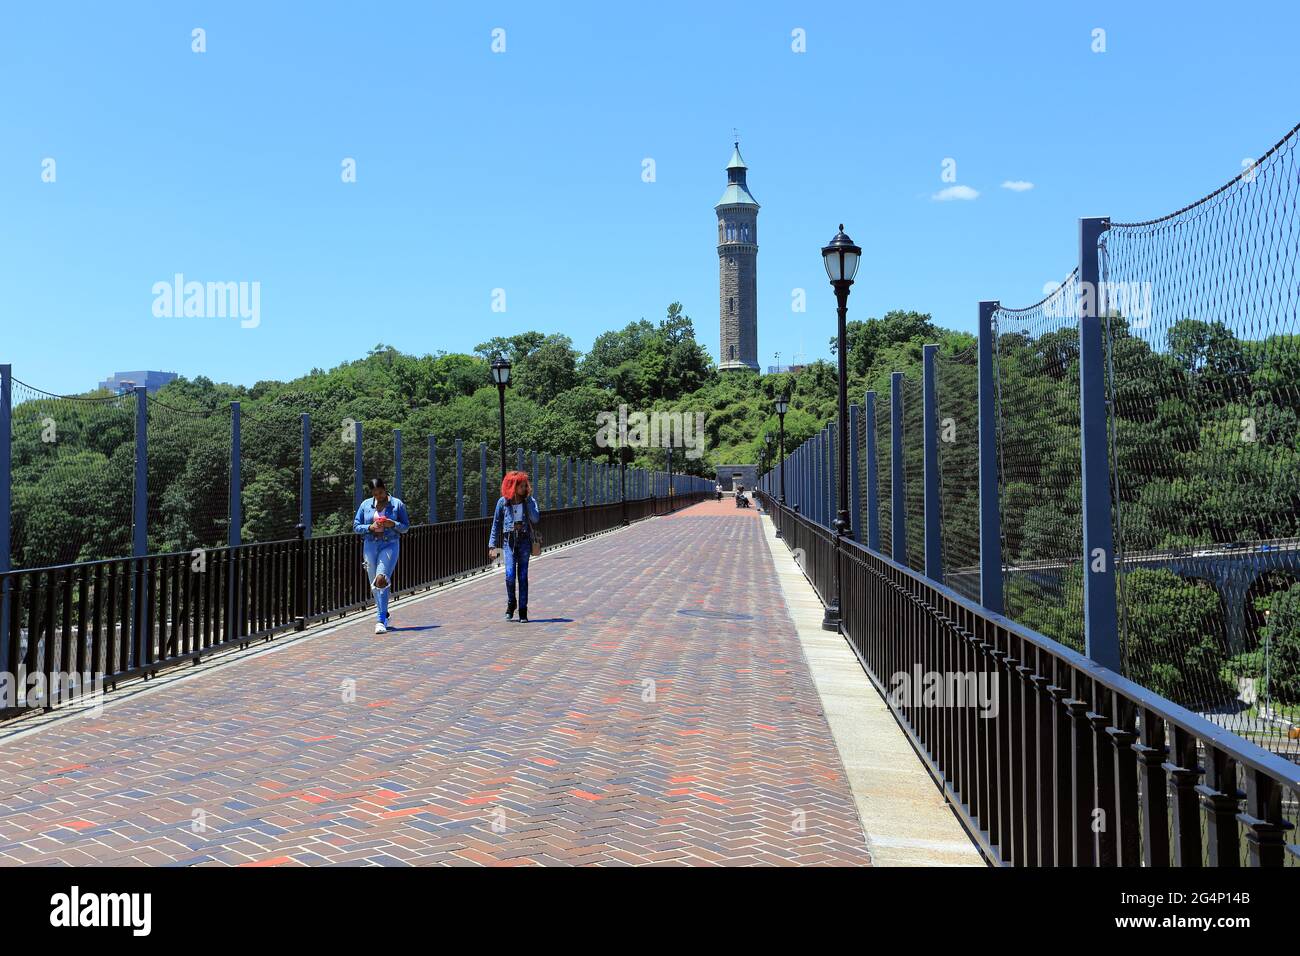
x: 536, y: 535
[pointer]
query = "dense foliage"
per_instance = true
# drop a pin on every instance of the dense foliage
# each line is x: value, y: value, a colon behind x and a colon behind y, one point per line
x: 1207, y: 442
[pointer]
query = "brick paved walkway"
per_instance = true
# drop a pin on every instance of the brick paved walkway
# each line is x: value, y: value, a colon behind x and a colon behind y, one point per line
x: 636, y: 720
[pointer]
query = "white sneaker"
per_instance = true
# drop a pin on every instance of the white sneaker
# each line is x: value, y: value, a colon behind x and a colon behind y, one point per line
x: 380, y: 629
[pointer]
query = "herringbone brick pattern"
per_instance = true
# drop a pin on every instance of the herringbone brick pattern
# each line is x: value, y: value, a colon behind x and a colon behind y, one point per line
x: 637, y: 720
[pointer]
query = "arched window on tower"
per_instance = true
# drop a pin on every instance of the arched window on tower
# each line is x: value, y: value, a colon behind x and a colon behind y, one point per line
x: 744, y: 232
x: 731, y: 306
x: 731, y: 353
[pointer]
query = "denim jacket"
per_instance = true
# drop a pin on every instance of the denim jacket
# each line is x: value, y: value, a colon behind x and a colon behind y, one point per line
x: 395, y: 509
x: 503, y: 519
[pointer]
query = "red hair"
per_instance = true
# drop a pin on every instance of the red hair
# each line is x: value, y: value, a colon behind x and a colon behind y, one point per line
x: 512, y: 483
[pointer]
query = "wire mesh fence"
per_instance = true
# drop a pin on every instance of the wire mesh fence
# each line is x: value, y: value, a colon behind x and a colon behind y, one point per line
x: 884, y: 473
x: 270, y: 471
x: 956, y: 398
x: 378, y: 454
x: 914, y: 469
x: 1204, y: 359
x: 333, y: 471
x: 414, y: 491
x: 188, y: 476
x: 859, y: 438
x: 1036, y: 358
x: 73, y: 462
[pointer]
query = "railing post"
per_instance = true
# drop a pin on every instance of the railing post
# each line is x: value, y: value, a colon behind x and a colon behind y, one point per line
x: 234, y: 533
x: 819, y: 476
x: 855, y: 476
x: 300, y: 580
x: 873, y: 474
x: 482, y: 480
x: 6, y: 501
x: 830, y: 474
x: 1100, y: 622
x: 806, y: 482
x: 140, y: 489
x: 433, y: 479
x: 818, y: 484
x: 1262, y: 817
x: 990, y: 517
x: 397, y: 463
x: 805, y: 479
x: 669, y: 490
x: 898, y: 515
x: 304, y: 494
x: 519, y: 459
x: 358, y: 477
x: 930, y: 451
x: 460, y: 480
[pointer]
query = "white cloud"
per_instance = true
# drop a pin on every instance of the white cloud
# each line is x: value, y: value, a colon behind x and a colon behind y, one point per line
x: 955, y: 192
x: 1018, y: 185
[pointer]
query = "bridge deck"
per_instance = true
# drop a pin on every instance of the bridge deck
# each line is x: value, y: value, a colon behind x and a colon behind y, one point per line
x: 638, y: 719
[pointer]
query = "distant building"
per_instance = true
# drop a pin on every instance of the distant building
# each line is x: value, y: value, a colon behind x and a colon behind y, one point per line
x: 790, y: 369
x: 125, y: 381
x: 731, y: 475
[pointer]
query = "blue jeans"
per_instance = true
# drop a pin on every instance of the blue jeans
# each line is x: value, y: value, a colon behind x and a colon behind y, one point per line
x: 516, y: 561
x: 381, y: 558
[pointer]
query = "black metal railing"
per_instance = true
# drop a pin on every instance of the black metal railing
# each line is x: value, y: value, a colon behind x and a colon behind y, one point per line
x: 1049, y: 758
x: 64, y: 627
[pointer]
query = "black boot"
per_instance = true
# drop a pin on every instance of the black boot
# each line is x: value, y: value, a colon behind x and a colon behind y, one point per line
x: 523, y: 615
x: 510, y: 610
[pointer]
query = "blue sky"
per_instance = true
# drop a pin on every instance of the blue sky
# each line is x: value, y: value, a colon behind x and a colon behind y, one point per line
x: 522, y: 170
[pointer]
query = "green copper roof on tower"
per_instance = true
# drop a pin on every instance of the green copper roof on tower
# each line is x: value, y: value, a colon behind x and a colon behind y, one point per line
x: 736, y: 193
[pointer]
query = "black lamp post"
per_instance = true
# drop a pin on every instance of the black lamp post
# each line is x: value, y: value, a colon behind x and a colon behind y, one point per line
x: 767, y: 453
x: 501, y: 375
x: 841, y: 259
x: 782, y: 404
x: 670, y: 479
x: 624, y: 456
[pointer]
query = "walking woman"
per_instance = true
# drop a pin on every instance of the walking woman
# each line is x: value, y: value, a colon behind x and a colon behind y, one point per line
x: 514, y: 530
x: 382, y: 519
